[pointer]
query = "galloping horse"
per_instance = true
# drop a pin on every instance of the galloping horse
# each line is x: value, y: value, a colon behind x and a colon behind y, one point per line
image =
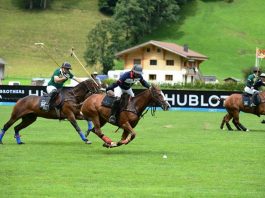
x: 93, y: 110
x: 234, y: 104
x: 28, y: 109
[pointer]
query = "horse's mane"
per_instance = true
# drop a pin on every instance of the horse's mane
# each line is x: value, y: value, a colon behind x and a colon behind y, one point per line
x: 152, y: 86
x: 84, y: 88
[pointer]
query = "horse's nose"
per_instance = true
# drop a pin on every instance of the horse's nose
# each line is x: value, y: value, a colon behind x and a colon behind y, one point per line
x: 166, y: 106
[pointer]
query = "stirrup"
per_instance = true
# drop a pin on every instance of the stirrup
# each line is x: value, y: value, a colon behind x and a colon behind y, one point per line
x: 253, y: 105
x: 112, y: 119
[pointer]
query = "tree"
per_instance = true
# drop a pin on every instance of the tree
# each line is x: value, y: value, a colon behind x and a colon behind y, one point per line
x: 103, y: 42
x: 107, y: 6
x: 130, y: 16
x: 140, y: 17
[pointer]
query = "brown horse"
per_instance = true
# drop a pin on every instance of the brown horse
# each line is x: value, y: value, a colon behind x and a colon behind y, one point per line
x: 93, y: 110
x: 234, y: 104
x: 28, y: 109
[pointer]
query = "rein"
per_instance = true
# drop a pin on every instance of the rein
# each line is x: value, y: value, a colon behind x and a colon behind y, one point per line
x: 153, y: 110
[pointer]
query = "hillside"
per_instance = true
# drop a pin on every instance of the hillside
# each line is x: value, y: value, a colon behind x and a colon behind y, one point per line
x: 64, y: 26
x: 227, y: 33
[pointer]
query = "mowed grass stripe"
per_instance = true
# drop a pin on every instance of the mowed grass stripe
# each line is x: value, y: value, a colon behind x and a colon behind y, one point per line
x: 203, y: 161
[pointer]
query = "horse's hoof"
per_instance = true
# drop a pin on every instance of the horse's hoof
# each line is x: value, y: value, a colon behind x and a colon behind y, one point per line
x: 21, y: 143
x: 1, y: 142
x: 112, y: 145
x: 106, y: 145
x: 88, y: 142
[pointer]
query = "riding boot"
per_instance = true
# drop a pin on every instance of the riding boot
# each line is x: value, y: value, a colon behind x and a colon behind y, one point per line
x: 51, y: 98
x: 114, y: 109
x: 254, y: 99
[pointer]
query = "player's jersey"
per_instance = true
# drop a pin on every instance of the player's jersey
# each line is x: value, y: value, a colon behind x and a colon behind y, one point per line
x: 58, y: 72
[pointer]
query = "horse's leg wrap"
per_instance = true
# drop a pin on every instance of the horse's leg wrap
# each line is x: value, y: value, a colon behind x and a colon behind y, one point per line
x: 2, y: 135
x: 89, y: 128
x: 17, y: 136
x: 129, y: 138
x: 106, y: 139
x: 83, y: 137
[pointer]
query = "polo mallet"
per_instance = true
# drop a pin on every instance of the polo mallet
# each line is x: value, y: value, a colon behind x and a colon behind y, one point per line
x: 44, y: 48
x: 74, y: 55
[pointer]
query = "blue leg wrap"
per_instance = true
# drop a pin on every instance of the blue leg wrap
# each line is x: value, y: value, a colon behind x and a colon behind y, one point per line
x: 2, y: 134
x: 82, y: 136
x: 17, y: 136
x: 90, y: 126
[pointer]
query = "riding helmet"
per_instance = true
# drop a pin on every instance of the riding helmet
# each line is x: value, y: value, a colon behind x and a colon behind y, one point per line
x: 256, y: 69
x: 137, y: 69
x: 262, y: 75
x: 66, y: 65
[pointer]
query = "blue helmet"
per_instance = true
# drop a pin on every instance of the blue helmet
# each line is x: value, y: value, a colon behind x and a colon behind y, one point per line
x: 66, y: 65
x: 137, y: 69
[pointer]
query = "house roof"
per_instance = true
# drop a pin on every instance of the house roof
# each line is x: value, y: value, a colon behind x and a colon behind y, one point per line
x: 232, y: 78
x: 172, y: 47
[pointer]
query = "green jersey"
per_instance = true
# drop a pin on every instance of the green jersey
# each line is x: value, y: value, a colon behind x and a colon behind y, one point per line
x: 58, y: 72
x: 251, y: 80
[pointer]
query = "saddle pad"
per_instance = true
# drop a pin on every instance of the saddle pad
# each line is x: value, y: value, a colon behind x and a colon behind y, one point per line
x: 43, y: 101
x: 108, y: 101
x: 246, y: 100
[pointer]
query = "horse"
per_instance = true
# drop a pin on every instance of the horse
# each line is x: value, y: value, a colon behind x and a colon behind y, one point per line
x: 28, y: 109
x: 92, y: 109
x: 236, y: 103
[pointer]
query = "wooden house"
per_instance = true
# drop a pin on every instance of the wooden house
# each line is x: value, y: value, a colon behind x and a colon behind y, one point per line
x: 163, y: 62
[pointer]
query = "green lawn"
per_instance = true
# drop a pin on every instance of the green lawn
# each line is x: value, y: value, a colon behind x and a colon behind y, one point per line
x: 203, y: 161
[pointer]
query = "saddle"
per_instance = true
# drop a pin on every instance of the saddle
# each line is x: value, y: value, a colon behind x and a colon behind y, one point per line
x: 124, y: 103
x: 251, y: 99
x: 51, y: 101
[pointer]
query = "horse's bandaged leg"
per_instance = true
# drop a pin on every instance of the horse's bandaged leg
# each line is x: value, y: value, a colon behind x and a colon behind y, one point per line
x: 17, y: 136
x: 83, y: 137
x: 2, y: 135
x: 106, y: 139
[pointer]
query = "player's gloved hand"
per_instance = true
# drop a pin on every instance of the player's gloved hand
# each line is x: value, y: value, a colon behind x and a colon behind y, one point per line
x: 66, y: 75
x: 110, y: 93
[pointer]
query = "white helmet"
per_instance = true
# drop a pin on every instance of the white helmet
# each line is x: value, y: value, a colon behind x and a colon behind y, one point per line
x: 262, y: 75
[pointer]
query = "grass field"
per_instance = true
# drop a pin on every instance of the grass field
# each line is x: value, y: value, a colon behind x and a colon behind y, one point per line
x: 203, y: 161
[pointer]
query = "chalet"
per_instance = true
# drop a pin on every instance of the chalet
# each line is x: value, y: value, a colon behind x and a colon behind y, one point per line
x: 162, y: 62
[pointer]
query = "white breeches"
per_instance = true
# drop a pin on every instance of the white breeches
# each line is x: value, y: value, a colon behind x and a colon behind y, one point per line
x: 250, y: 91
x: 50, y: 88
x: 119, y: 91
